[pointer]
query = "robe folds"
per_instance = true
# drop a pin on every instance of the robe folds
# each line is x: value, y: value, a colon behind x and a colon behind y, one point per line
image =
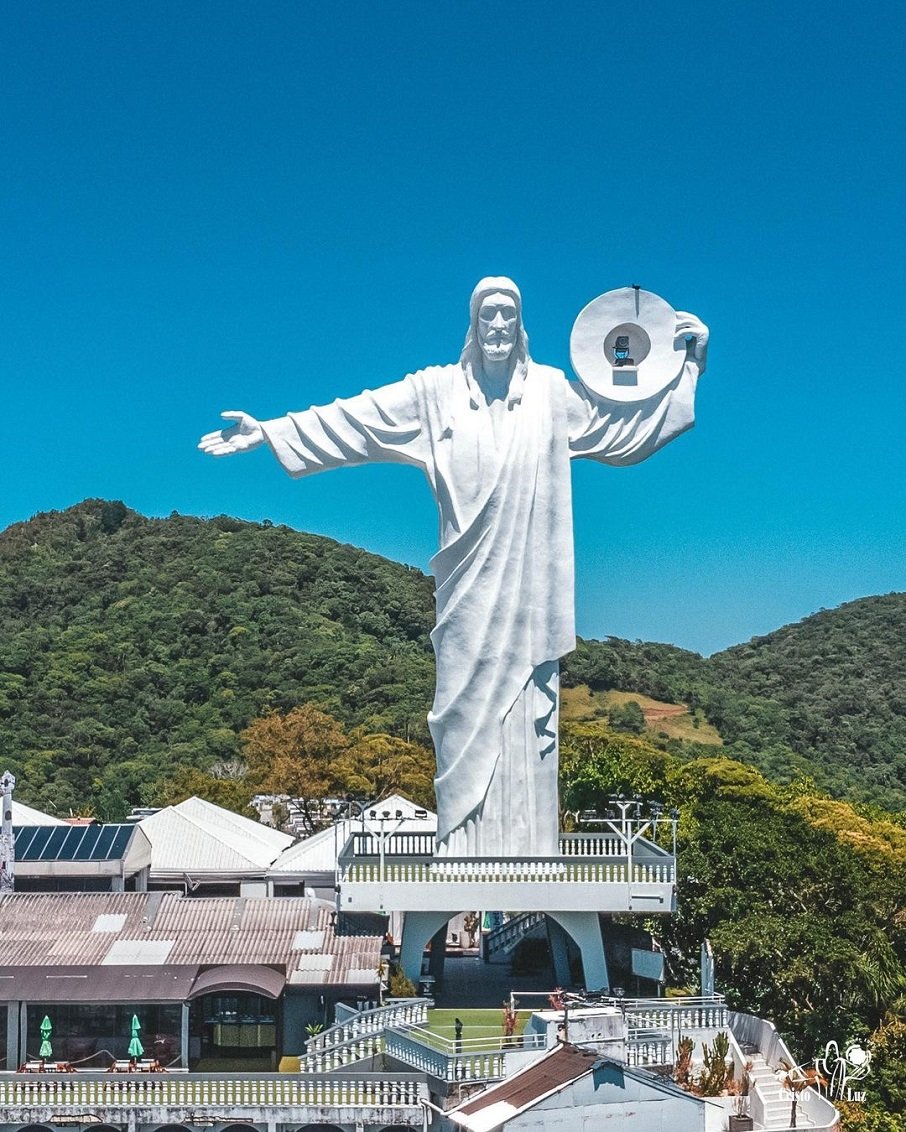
x: 499, y: 468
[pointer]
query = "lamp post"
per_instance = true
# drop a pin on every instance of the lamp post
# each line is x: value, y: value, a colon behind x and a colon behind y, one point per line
x: 7, y: 837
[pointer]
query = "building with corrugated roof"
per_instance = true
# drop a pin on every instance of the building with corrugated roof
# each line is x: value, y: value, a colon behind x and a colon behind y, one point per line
x: 209, y: 978
x: 203, y: 849
x: 573, y: 1088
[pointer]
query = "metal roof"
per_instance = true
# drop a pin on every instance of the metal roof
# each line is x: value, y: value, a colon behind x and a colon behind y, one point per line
x: 262, y: 980
x: 131, y: 930
x: 199, y: 838
x: 502, y: 1102
x: 72, y: 843
x: 26, y: 815
x: 96, y: 984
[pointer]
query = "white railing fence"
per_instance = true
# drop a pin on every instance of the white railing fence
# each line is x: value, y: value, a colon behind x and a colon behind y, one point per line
x: 87, y: 1092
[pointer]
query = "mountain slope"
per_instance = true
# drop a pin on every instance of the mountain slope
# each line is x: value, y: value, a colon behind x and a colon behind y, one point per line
x: 130, y: 647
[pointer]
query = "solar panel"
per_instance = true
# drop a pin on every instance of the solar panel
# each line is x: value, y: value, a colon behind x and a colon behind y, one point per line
x: 121, y: 841
x: 69, y: 845
x: 101, y: 848
x: 72, y: 843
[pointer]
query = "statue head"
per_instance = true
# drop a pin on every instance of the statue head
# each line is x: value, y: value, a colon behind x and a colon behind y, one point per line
x: 496, y: 332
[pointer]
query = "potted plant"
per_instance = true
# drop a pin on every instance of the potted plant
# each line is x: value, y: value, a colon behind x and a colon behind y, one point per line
x: 740, y: 1121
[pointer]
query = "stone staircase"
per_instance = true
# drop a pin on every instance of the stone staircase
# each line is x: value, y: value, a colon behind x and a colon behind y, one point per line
x: 777, y: 1102
x: 503, y: 939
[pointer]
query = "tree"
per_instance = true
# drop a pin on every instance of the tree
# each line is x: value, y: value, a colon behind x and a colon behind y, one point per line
x: 188, y: 782
x: 378, y: 765
x: 294, y: 753
x: 627, y: 717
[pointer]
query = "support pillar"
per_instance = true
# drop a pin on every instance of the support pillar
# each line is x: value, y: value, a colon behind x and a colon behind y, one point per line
x: 438, y: 955
x: 418, y: 928
x: 558, y: 941
x: 13, y: 1058
x: 184, y: 1037
x: 584, y: 928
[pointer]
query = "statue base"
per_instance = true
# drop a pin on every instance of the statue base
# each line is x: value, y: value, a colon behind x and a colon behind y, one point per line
x: 619, y: 871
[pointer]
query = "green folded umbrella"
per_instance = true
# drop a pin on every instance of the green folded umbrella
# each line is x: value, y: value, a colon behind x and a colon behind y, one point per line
x: 136, y: 1049
x: 46, y: 1049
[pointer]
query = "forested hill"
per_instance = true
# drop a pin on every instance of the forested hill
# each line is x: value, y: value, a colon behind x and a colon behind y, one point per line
x: 824, y: 698
x: 130, y: 647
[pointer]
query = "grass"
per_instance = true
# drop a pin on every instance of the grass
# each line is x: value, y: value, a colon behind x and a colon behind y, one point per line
x: 483, y: 1023
x: 582, y: 705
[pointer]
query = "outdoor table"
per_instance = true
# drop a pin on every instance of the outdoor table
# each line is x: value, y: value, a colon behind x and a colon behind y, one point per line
x: 147, y: 1066
x: 46, y: 1067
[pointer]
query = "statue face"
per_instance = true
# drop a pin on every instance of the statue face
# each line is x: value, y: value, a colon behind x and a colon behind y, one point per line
x: 498, y: 324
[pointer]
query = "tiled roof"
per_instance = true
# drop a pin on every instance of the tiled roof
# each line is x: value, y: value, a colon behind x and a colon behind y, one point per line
x: 502, y: 1102
x: 144, y: 929
x: 197, y: 837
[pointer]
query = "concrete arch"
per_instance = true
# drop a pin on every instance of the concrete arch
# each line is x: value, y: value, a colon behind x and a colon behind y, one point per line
x: 241, y: 1128
x: 171, y: 1128
x: 38, y: 1128
x: 584, y: 929
x: 104, y: 1128
x: 320, y: 1128
x: 418, y: 929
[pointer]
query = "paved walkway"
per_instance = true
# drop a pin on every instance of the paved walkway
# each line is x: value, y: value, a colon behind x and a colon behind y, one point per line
x: 470, y: 982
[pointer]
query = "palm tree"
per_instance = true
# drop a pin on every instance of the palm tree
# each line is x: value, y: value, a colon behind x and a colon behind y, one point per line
x: 795, y: 1079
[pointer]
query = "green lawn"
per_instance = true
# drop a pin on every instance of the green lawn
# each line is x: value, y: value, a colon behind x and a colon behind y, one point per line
x: 486, y: 1023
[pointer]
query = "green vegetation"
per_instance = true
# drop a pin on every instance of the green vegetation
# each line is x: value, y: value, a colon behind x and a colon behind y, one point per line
x: 802, y: 897
x: 824, y: 698
x: 133, y: 649
x: 144, y: 660
x: 135, y: 652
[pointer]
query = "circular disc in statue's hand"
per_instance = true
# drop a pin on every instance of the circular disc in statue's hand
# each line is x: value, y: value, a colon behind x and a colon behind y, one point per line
x: 623, y: 345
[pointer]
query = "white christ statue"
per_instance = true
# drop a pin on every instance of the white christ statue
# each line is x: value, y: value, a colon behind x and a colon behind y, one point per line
x: 494, y: 434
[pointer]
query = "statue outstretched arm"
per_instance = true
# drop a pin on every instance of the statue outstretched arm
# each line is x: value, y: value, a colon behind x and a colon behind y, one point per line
x: 382, y: 425
x: 243, y: 436
x: 622, y: 433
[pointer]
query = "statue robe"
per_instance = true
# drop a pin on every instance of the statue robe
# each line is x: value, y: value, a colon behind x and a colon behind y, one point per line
x: 500, y: 473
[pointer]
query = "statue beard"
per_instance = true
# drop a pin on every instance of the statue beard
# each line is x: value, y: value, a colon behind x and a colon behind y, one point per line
x: 497, y: 351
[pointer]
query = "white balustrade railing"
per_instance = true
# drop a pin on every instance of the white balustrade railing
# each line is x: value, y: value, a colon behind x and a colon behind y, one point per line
x: 510, y: 933
x: 393, y: 845
x: 81, y: 1092
x: 700, y: 1016
x: 592, y: 845
x: 468, y: 1065
x: 649, y: 1050
x: 409, y: 1012
x: 508, y: 870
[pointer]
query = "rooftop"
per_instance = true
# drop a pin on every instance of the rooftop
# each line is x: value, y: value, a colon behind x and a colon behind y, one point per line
x: 197, y: 837
x: 65, y: 933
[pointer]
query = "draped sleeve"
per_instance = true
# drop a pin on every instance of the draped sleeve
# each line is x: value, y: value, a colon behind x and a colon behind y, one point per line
x: 382, y: 425
x: 620, y: 433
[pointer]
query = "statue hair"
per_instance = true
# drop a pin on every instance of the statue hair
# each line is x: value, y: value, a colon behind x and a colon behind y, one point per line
x: 472, y: 357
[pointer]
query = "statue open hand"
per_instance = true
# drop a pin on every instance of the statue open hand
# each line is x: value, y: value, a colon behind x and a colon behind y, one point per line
x: 687, y: 325
x: 244, y: 435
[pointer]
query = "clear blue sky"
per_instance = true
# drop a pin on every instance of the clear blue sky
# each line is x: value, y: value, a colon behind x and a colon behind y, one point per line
x: 266, y: 205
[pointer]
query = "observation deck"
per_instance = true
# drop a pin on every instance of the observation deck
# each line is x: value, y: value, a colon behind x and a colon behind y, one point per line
x: 401, y: 873
x: 619, y: 867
